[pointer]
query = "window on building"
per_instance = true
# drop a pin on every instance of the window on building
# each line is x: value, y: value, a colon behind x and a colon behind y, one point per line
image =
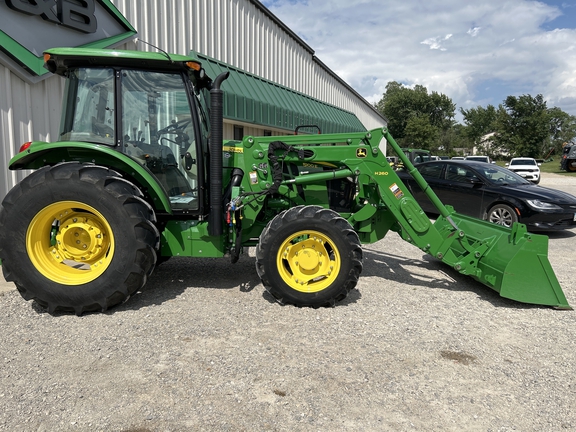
x: 267, y: 132
x: 238, y: 132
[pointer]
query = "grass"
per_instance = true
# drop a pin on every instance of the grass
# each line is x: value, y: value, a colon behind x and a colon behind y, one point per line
x: 553, y: 167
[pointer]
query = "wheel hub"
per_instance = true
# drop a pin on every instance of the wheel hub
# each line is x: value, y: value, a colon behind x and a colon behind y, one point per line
x: 70, y: 242
x: 80, y: 239
x: 305, y: 261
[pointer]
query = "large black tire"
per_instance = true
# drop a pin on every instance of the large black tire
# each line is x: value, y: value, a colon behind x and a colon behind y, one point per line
x: 502, y: 214
x: 77, y: 238
x: 571, y: 165
x: 309, y: 256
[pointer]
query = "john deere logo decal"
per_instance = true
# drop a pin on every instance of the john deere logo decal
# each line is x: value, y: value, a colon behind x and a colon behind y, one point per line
x: 361, y: 153
x: 29, y: 27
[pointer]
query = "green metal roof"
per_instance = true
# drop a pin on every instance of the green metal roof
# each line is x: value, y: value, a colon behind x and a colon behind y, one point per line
x: 252, y: 99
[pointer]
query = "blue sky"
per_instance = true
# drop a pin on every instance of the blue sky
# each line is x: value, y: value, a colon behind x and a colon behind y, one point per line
x: 475, y: 52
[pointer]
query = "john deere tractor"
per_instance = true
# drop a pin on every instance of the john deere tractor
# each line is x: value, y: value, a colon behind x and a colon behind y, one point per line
x: 141, y: 172
x: 568, y: 160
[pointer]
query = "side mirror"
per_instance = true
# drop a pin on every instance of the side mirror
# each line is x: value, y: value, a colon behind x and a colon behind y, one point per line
x: 476, y: 181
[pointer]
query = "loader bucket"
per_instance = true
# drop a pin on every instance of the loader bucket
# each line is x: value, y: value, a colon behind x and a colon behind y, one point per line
x: 511, y: 261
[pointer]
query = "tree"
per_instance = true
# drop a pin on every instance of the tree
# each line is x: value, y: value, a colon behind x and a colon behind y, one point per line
x: 419, y: 130
x: 416, y: 118
x: 522, y: 125
x: 479, y: 122
x: 562, y: 130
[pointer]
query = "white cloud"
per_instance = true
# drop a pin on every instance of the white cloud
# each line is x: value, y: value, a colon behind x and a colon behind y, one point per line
x: 449, y: 46
x: 436, y: 42
x: 474, y: 31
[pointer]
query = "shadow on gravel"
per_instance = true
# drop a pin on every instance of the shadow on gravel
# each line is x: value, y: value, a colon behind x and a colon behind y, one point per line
x: 397, y: 269
x: 173, y: 277
x: 176, y: 275
x: 562, y: 234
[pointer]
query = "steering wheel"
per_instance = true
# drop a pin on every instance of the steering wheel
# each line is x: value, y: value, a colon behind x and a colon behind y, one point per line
x: 176, y: 126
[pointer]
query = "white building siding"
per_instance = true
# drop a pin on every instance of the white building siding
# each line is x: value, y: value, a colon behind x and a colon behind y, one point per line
x: 237, y: 32
x: 27, y: 113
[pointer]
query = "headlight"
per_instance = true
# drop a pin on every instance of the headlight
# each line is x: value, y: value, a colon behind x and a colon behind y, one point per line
x: 539, y: 205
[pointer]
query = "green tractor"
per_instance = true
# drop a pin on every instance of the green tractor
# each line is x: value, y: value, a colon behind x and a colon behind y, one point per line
x: 568, y: 159
x: 141, y: 173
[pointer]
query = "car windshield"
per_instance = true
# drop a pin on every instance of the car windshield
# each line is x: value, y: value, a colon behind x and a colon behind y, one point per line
x: 522, y: 162
x: 501, y: 176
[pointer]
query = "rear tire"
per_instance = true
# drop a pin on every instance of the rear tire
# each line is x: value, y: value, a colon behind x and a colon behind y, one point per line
x: 501, y: 214
x: 571, y: 165
x: 309, y: 256
x: 77, y: 238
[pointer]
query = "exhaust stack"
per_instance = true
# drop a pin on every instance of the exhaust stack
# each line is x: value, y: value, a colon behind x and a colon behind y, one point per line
x: 216, y: 142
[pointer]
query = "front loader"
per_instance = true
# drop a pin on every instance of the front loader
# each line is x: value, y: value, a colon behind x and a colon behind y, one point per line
x: 141, y: 173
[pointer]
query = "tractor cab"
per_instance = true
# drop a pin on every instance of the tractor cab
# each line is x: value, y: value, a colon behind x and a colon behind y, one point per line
x: 152, y: 110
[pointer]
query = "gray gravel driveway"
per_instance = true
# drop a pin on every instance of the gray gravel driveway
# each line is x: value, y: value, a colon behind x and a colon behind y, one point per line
x: 203, y: 347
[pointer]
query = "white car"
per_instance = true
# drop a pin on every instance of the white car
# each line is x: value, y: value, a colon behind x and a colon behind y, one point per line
x: 479, y: 159
x: 525, y: 167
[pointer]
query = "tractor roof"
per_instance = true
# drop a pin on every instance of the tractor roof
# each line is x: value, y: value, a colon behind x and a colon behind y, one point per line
x: 58, y: 60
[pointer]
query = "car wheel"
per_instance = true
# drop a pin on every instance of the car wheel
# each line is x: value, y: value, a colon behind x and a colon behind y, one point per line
x: 501, y: 214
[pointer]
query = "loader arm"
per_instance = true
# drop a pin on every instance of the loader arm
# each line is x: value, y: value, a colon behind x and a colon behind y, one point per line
x: 510, y: 261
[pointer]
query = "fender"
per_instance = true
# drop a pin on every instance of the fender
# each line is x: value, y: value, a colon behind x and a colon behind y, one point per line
x: 40, y: 153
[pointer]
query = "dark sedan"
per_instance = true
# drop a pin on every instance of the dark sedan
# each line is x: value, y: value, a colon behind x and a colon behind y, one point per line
x: 487, y: 191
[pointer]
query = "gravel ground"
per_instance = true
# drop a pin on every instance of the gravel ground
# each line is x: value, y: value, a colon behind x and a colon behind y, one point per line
x: 203, y: 347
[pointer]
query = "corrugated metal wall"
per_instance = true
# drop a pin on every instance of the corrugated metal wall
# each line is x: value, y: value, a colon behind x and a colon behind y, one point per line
x: 238, y: 32
x: 26, y: 113
x: 243, y: 34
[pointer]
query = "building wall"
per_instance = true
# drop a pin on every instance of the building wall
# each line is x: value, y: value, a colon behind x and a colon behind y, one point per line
x: 239, y: 32
x: 245, y: 34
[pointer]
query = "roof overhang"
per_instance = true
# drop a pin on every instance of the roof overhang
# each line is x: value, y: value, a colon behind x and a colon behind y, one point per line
x: 254, y: 100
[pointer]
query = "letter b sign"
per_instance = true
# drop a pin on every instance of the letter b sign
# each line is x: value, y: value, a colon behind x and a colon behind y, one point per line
x: 76, y: 14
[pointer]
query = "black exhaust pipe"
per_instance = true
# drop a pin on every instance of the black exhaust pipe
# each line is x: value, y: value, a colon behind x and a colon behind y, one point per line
x: 215, y: 218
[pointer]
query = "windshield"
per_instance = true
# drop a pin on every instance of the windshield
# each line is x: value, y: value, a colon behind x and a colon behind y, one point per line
x: 522, y: 162
x: 501, y: 176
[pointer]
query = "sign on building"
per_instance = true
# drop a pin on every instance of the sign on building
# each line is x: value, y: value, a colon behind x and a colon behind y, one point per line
x: 29, y: 27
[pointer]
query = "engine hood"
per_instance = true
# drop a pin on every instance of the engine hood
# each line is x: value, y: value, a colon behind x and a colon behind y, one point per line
x: 530, y: 191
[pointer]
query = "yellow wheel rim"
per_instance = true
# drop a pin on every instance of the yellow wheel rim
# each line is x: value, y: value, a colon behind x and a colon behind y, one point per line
x: 70, y: 243
x: 308, y: 261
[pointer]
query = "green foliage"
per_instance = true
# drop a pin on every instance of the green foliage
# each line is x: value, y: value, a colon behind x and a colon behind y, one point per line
x: 562, y: 130
x: 520, y: 126
x: 416, y: 118
x: 420, y: 132
x: 479, y: 122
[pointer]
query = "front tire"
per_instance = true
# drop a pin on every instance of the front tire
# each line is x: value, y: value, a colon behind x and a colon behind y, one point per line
x: 501, y: 214
x: 309, y: 256
x: 77, y: 238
